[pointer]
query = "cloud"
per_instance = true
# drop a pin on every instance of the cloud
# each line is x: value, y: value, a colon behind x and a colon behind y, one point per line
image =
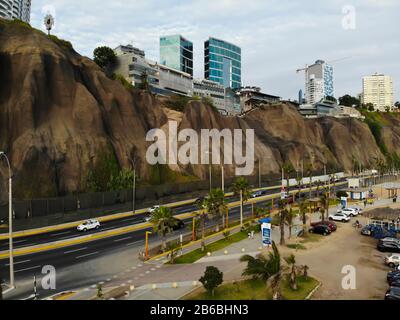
x: 276, y: 36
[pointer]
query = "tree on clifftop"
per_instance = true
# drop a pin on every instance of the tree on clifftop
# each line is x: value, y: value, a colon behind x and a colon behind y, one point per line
x: 105, y: 58
x: 349, y: 101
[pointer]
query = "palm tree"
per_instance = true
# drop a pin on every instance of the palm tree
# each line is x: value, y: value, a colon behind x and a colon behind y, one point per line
x: 291, y: 261
x: 303, y: 206
x: 203, y: 214
x: 163, y: 223
x: 325, y: 205
x: 215, y: 204
x: 283, y: 212
x: 241, y: 188
x: 265, y: 268
x: 288, y: 170
x: 289, y: 217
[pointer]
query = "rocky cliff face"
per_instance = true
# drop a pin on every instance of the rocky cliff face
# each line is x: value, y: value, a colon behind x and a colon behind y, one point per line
x: 59, y: 113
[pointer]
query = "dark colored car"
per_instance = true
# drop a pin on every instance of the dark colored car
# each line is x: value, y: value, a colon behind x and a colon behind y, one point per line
x: 393, y: 276
x: 199, y: 201
x: 388, y: 247
x: 393, y: 294
x: 331, y: 225
x: 179, y: 225
x: 367, y: 230
x: 395, y: 283
x: 321, y: 229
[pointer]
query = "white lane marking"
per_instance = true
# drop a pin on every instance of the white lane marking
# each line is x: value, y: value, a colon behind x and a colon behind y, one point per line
x: 133, y: 243
x: 60, y: 234
x: 87, y: 255
x: 123, y: 239
x: 19, y: 262
x: 110, y: 228
x: 26, y: 269
x: 77, y: 250
x: 130, y: 219
x: 19, y: 241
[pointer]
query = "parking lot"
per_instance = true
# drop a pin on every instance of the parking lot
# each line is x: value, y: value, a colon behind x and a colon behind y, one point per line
x: 347, y: 247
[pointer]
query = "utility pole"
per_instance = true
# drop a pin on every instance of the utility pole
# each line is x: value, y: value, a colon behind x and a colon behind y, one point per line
x: 259, y: 174
x: 10, y: 221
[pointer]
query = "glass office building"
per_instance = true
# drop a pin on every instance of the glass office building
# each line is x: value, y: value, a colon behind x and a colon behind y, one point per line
x: 223, y: 63
x: 176, y: 52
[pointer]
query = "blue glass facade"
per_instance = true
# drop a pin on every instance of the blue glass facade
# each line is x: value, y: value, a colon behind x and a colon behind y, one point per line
x: 328, y: 81
x: 223, y: 63
x: 177, y: 53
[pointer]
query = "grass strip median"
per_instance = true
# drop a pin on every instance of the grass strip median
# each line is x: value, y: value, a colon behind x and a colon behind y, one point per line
x: 256, y: 290
x: 197, y: 254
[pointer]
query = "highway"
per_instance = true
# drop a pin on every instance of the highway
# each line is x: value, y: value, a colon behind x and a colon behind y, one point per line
x: 64, y: 258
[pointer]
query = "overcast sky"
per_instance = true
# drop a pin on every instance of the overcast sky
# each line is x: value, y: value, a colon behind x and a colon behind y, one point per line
x: 276, y: 36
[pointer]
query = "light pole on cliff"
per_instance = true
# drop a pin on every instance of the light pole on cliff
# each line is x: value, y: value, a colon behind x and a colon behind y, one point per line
x: 134, y: 185
x: 10, y: 220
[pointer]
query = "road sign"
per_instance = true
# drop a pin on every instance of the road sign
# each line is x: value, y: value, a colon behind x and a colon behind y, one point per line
x: 266, y: 234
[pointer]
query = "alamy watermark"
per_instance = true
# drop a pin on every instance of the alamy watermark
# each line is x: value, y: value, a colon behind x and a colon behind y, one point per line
x: 349, y: 281
x: 349, y: 20
x: 196, y: 148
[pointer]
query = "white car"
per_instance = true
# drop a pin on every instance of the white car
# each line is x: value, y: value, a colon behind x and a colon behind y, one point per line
x: 393, y: 260
x: 153, y: 209
x: 358, y: 209
x: 89, y: 225
x: 339, y: 217
x: 349, y: 212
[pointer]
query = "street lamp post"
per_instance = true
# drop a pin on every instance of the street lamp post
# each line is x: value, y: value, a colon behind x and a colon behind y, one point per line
x: 10, y: 220
x: 134, y: 186
x: 259, y: 174
x: 147, y: 244
x: 223, y: 178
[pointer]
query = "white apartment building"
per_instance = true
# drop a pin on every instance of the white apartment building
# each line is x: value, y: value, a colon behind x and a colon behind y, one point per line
x: 319, y: 82
x: 211, y: 89
x: 378, y: 90
x: 132, y: 65
x: 16, y: 9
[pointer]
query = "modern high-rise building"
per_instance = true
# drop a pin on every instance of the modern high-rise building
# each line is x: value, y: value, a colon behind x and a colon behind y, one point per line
x: 223, y: 63
x: 319, y: 82
x: 16, y: 9
x: 378, y: 90
x: 176, y: 52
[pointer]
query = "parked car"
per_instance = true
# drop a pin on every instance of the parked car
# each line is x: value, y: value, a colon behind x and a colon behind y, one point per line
x: 395, y: 283
x: 392, y: 260
x: 349, y: 212
x: 339, y: 217
x: 321, y: 229
x: 331, y: 225
x: 388, y: 247
x: 393, y: 294
x: 358, y: 209
x: 89, y: 225
x: 393, y: 276
x: 390, y: 240
x: 258, y: 194
x: 367, y: 230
